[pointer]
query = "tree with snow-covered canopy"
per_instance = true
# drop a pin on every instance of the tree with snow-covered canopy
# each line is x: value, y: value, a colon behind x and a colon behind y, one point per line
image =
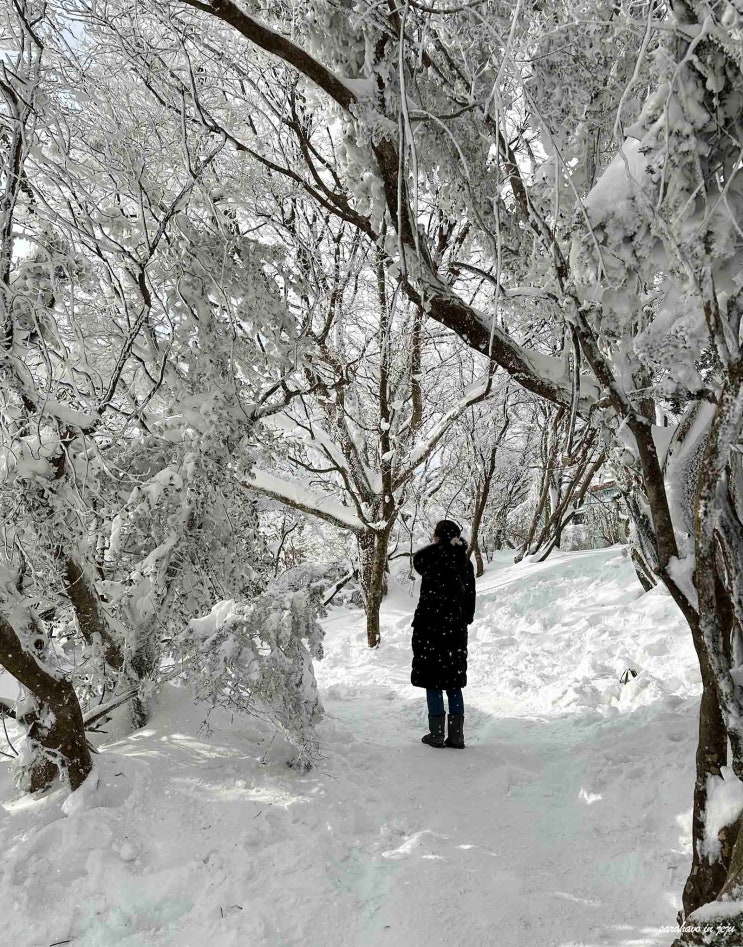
x: 383, y: 395
x: 142, y: 341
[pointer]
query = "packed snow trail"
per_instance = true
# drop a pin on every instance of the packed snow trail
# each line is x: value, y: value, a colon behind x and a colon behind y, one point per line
x: 564, y: 822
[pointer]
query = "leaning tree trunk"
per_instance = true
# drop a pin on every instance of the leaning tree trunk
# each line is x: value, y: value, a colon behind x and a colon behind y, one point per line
x: 643, y: 572
x: 54, y: 722
x: 91, y: 619
x: 562, y: 515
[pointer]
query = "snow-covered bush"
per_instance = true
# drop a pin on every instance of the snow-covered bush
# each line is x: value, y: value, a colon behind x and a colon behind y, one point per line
x: 257, y: 657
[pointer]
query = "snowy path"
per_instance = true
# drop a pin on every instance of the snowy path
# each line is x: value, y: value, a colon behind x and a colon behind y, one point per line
x: 546, y: 830
x: 562, y: 823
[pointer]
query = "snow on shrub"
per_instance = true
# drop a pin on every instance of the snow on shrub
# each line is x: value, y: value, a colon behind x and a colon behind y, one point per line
x: 257, y: 657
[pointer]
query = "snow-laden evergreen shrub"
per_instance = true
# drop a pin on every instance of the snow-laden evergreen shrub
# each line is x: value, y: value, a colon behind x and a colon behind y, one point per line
x: 256, y: 657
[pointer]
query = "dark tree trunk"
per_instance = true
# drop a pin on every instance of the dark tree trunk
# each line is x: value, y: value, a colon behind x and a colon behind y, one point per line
x: 642, y: 570
x: 60, y: 747
x: 481, y: 499
x: 479, y: 564
x: 143, y: 665
x: 707, y: 877
x: 91, y: 619
x: 54, y: 726
x: 373, y: 559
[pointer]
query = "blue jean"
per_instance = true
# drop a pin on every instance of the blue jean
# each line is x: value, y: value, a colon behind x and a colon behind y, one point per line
x: 436, y: 701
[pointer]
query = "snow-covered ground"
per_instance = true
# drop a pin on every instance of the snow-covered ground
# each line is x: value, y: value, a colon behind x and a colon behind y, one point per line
x: 565, y: 821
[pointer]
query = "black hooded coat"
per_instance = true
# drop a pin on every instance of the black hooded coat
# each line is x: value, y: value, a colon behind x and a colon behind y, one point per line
x: 445, y: 607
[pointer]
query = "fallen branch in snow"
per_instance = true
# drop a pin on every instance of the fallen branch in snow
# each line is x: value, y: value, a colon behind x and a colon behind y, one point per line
x: 93, y: 715
x: 102, y: 709
x: 339, y: 585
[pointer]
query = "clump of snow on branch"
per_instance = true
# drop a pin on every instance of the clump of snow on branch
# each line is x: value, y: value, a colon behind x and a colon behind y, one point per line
x: 724, y: 805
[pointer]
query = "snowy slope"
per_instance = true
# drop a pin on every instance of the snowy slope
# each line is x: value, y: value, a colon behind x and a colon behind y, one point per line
x: 565, y: 821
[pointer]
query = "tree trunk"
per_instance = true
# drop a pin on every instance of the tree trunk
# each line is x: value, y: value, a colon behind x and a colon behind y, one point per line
x: 142, y: 666
x: 373, y: 557
x: 94, y: 627
x: 480, y: 565
x: 78, y: 586
x: 54, y: 724
x: 642, y: 570
x: 481, y: 499
x: 56, y: 736
x: 707, y: 876
x: 719, y: 567
x: 91, y: 619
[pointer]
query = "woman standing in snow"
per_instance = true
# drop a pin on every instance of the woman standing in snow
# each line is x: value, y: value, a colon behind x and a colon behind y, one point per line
x: 445, y: 607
